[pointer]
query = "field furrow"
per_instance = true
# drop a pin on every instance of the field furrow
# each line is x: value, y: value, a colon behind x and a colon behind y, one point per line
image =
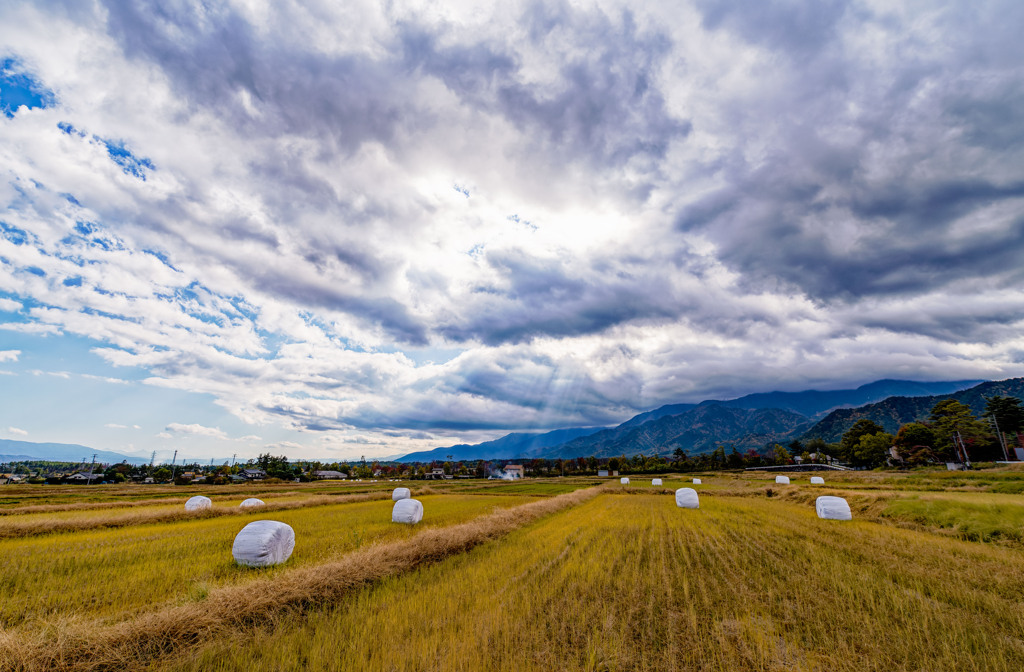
x: 93, y: 645
x: 630, y: 582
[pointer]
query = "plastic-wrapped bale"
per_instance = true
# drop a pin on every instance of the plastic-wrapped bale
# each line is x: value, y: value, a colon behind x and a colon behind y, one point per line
x: 817, y: 480
x: 198, y: 503
x: 696, y: 481
x: 655, y: 481
x: 408, y: 511
x: 686, y: 498
x: 833, y: 508
x: 251, y: 502
x: 400, y: 493
x: 624, y: 480
x: 263, y: 543
x: 784, y: 480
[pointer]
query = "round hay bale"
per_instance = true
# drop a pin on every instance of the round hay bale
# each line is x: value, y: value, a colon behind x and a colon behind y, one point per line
x: 696, y: 481
x: 655, y: 481
x: 198, y: 503
x: 400, y: 493
x: 783, y: 480
x: 251, y: 502
x: 817, y: 480
x: 408, y: 511
x: 833, y: 508
x: 263, y: 543
x: 686, y: 498
x: 624, y: 480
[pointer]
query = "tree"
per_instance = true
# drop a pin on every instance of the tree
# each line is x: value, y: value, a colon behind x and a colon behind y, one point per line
x: 949, y: 417
x: 915, y: 443
x: 848, y: 444
x: 1006, y: 412
x: 781, y: 454
x: 872, y: 450
x: 735, y: 460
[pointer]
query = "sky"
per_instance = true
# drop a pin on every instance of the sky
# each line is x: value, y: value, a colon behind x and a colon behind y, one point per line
x: 334, y: 230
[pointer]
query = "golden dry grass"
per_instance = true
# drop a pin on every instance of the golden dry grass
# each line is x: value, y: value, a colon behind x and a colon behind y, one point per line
x: 78, y: 520
x: 116, y: 573
x: 633, y: 583
x: 97, y: 646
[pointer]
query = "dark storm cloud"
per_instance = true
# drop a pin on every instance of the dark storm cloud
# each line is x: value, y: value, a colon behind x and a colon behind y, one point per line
x: 542, y: 297
x: 801, y: 28
x: 604, y: 106
x: 872, y: 182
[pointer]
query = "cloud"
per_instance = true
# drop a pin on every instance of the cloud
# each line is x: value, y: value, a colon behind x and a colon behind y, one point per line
x: 196, y: 430
x: 9, y: 355
x: 113, y: 425
x: 376, y: 225
x: 17, y: 431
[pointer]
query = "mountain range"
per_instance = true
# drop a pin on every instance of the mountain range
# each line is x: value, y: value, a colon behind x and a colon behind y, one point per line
x: 752, y: 421
x: 18, y: 451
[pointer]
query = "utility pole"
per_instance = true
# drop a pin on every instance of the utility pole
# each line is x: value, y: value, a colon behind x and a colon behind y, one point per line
x: 1002, y: 439
x: 233, y: 459
x: 173, y: 467
x: 91, y: 467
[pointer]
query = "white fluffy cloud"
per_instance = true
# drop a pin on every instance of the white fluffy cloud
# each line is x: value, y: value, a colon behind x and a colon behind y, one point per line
x: 9, y: 355
x: 387, y: 225
x: 197, y: 430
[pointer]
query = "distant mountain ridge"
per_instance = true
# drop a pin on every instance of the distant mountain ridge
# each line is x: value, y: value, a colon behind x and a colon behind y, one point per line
x: 894, y: 412
x: 508, y: 446
x: 15, y: 451
x: 750, y: 421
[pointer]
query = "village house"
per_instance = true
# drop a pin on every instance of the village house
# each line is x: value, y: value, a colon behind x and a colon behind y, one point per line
x: 515, y: 470
x: 329, y: 475
x: 253, y: 474
x: 79, y: 477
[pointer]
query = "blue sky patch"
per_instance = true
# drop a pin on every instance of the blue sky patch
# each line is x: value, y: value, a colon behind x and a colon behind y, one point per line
x: 13, y: 233
x: 18, y: 88
x: 130, y: 164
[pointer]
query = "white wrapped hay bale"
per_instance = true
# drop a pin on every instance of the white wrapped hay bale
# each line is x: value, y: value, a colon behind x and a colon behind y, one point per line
x: 252, y: 502
x: 817, y: 480
x: 655, y: 481
x: 263, y: 543
x: 783, y: 480
x: 833, y: 508
x: 624, y: 480
x: 408, y: 511
x: 696, y: 481
x: 198, y: 503
x: 400, y: 493
x: 686, y: 498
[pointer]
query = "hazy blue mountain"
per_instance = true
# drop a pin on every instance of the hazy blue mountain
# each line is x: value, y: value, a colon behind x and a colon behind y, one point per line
x: 695, y: 427
x: 813, y: 403
x: 509, y: 446
x: 697, y: 430
x: 670, y: 409
x: 16, y: 458
x: 894, y: 412
x: 62, y: 452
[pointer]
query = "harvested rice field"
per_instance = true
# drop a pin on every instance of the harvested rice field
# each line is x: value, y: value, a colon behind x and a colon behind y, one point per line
x: 558, y: 574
